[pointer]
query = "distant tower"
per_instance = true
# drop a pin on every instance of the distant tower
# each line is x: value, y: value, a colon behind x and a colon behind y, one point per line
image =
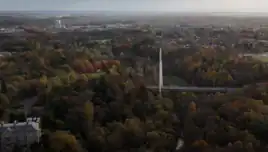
x: 58, y: 24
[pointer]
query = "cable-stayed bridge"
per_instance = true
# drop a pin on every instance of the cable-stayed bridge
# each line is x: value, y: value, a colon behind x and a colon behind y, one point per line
x: 161, y: 87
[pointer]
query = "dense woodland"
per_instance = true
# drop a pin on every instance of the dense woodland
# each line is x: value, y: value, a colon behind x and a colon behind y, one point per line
x: 218, y: 68
x: 88, y: 105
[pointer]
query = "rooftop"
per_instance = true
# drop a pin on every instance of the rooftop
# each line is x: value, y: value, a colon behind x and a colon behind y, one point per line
x: 29, y: 125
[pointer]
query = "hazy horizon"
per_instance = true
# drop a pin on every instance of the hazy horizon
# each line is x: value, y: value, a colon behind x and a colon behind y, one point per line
x: 180, y: 6
x: 52, y: 13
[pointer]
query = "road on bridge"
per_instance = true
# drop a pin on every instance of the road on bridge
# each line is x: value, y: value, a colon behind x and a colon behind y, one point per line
x: 195, y: 89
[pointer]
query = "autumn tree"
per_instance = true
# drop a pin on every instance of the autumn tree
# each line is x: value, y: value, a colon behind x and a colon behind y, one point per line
x: 63, y: 141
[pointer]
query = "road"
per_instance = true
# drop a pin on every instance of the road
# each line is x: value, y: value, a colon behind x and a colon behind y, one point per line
x: 121, y: 58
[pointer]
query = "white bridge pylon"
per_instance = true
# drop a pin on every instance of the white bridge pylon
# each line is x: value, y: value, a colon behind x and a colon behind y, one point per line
x: 160, y: 77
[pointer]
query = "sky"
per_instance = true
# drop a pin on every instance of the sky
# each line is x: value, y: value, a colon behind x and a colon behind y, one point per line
x: 138, y: 5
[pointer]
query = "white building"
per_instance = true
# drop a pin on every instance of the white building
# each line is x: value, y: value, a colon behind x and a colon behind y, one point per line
x: 20, y: 133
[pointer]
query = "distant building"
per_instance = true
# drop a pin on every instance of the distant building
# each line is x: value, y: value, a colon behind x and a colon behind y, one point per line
x: 19, y: 133
x: 59, y: 24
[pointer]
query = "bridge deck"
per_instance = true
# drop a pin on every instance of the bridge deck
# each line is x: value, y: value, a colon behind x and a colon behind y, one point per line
x: 195, y: 89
